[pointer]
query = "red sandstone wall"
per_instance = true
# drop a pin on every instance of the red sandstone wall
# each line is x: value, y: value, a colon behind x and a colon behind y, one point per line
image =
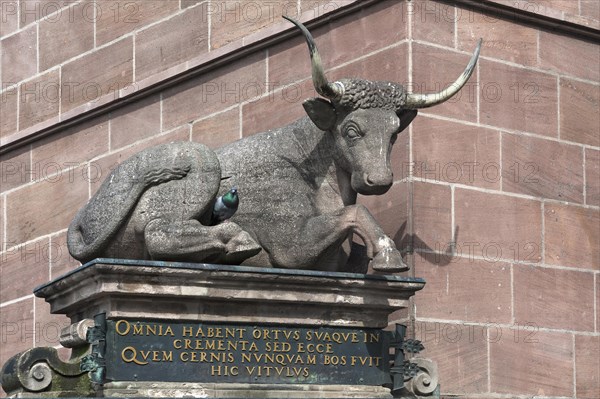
x: 510, y: 169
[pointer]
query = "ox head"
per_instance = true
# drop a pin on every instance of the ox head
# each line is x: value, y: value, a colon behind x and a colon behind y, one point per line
x: 365, y: 117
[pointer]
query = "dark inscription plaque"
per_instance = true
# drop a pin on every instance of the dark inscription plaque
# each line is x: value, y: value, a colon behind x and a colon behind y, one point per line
x: 183, y: 351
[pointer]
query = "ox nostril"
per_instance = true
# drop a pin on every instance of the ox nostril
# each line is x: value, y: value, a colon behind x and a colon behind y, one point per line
x: 368, y: 180
x: 377, y: 180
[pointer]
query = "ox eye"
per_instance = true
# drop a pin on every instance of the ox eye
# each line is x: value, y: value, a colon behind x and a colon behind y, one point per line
x: 353, y: 133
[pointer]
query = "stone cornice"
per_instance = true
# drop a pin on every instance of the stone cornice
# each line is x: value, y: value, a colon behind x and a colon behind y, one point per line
x: 580, y: 28
x: 219, y: 293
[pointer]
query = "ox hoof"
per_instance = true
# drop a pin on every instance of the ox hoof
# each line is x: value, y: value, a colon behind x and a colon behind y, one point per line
x: 240, y: 248
x: 389, y: 261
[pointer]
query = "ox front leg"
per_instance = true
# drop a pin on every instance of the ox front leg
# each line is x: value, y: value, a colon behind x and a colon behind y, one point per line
x: 191, y: 241
x: 380, y: 248
x: 323, y: 233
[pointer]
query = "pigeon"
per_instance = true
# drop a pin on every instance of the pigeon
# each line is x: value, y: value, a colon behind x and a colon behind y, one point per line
x: 225, y: 206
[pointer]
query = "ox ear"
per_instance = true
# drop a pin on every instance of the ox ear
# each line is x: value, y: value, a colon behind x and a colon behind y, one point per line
x: 321, y: 112
x: 406, y: 117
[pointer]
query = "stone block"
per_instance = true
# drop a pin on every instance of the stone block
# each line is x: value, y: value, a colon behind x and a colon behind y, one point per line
x: 502, y: 39
x: 431, y: 210
x: 70, y: 147
x: 340, y: 42
x: 572, y: 237
x: 592, y: 177
x: 433, y: 22
x: 434, y: 69
x: 23, y: 268
x: 8, y: 111
x: 96, y: 74
x: 518, y: 98
x: 17, y: 328
x: 10, y: 15
x: 451, y: 152
x: 39, y: 99
x: 228, y: 294
x: 47, y: 201
x: 579, y: 117
x: 16, y: 168
x: 553, y: 298
x: 542, y: 168
x: 531, y: 362
x: 569, y: 56
x: 587, y: 365
x: 460, y: 351
x: 239, y: 81
x: 134, y: 122
x: 276, y: 109
x: 517, y: 226
x: 171, y: 42
x: 56, y: 44
x: 233, y: 20
x: 117, y: 18
x: 19, y: 56
x: 451, y: 288
x: 219, y: 129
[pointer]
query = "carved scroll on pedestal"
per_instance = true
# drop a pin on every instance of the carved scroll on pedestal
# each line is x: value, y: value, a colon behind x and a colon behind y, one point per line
x: 41, y: 372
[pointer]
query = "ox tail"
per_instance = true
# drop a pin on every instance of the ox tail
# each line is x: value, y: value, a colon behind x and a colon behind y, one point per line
x: 96, y: 223
x: 118, y: 206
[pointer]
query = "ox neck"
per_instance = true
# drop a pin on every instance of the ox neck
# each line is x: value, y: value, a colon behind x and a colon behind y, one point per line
x: 342, y: 179
x: 318, y: 146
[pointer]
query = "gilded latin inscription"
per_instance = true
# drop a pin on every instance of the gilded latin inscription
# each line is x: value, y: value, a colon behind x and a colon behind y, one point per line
x: 253, y: 352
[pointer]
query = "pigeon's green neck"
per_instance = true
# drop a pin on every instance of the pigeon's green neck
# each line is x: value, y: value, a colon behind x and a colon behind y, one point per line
x: 229, y: 198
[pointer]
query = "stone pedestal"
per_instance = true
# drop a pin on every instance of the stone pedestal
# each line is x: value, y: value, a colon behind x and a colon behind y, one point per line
x: 145, y: 328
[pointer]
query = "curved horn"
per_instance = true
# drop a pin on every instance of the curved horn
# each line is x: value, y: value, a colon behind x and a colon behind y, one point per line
x: 333, y: 90
x: 416, y: 101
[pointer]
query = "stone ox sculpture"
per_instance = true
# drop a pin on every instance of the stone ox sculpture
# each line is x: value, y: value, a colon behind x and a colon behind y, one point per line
x: 298, y: 186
